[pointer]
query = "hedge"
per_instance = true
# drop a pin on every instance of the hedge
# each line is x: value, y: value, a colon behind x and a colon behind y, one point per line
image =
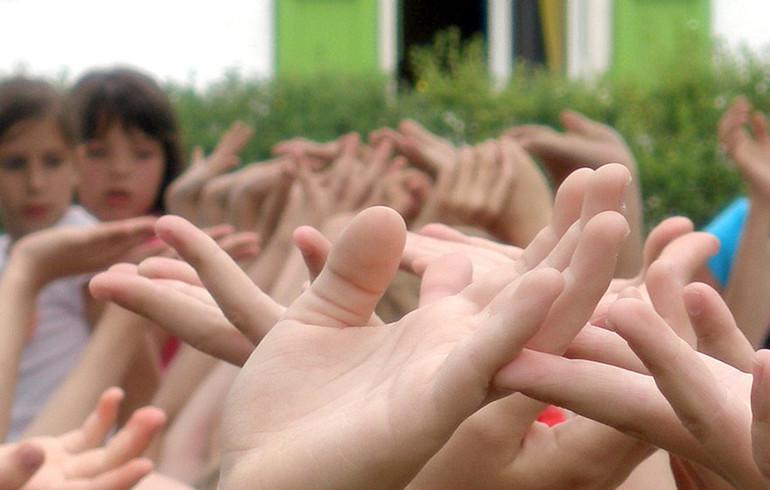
x: 670, y: 126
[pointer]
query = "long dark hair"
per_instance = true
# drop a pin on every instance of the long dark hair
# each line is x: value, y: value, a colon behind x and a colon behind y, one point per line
x: 124, y: 95
x: 23, y: 98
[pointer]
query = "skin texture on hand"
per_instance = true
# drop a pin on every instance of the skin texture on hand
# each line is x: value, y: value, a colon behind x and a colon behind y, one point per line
x: 690, y: 403
x: 352, y: 261
x: 41, y: 257
x: 493, y: 185
x: 79, y: 459
x: 744, y: 137
x: 346, y: 247
x: 183, y: 194
x: 588, y: 143
x: 521, y: 453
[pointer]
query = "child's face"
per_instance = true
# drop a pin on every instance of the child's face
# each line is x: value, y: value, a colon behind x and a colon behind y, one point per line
x: 121, y: 173
x: 37, y: 176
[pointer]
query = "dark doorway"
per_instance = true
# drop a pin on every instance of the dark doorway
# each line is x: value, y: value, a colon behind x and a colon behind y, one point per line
x: 528, y: 32
x: 422, y: 19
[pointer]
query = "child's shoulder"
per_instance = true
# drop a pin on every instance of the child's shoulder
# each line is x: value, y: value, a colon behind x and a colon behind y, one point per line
x: 77, y: 215
x: 5, y: 242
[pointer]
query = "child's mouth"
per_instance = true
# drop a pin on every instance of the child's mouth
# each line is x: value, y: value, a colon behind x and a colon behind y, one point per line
x: 117, y: 197
x: 35, y: 211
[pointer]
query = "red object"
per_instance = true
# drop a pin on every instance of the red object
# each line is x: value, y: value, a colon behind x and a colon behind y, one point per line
x: 551, y: 416
x: 169, y: 350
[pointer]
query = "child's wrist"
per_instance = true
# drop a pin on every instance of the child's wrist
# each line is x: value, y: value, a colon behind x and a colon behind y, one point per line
x: 23, y: 274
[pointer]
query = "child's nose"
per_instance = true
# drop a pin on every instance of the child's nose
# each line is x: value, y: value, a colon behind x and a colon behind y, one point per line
x: 35, y: 177
x: 121, y: 164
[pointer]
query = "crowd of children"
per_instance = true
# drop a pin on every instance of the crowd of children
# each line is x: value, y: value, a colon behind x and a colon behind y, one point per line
x: 387, y: 311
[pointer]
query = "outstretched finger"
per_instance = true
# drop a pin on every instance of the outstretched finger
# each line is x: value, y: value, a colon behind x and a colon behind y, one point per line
x: 165, y: 268
x: 128, y: 443
x: 698, y: 395
x: 623, y: 399
x: 183, y: 309
x: 97, y: 424
x: 358, y: 270
x: 504, y: 326
x: 244, y: 304
x: 590, y: 270
x: 715, y: 328
x: 661, y: 236
x: 314, y: 248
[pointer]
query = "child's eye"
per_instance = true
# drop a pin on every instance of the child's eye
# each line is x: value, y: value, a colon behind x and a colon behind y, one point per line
x: 143, y: 154
x: 12, y: 163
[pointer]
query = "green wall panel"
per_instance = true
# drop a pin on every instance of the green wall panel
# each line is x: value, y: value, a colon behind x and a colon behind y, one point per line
x: 315, y: 36
x: 653, y: 38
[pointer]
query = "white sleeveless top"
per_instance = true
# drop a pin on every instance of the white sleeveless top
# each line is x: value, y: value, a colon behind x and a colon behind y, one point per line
x: 59, y: 337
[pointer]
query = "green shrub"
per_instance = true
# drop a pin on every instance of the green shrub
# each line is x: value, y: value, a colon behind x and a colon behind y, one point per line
x: 670, y: 127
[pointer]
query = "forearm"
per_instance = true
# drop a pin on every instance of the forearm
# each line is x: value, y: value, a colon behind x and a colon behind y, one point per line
x: 244, y: 210
x: 748, y: 286
x: 103, y: 364
x: 271, y: 260
x: 183, y: 194
x: 17, y: 305
x: 142, y: 376
x: 213, y: 209
x: 183, y: 376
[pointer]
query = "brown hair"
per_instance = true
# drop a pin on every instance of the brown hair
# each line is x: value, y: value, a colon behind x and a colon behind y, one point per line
x: 23, y: 98
x: 126, y: 96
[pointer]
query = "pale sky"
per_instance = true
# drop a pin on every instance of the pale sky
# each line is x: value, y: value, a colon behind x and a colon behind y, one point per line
x: 197, y: 40
x: 742, y: 21
x: 181, y: 40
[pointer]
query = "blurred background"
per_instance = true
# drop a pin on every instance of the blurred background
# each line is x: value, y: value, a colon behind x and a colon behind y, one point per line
x: 198, y: 41
x: 659, y: 71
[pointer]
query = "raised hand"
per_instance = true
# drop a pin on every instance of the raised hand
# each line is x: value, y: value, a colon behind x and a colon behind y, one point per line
x: 588, y: 143
x: 171, y: 293
x: 77, y: 460
x: 743, y: 136
x: 584, y: 143
x: 320, y: 153
x: 63, y: 251
x: 260, y: 192
x: 366, y: 254
x: 513, y: 445
x: 690, y: 403
x: 183, y: 195
x: 494, y: 186
x: 429, y: 152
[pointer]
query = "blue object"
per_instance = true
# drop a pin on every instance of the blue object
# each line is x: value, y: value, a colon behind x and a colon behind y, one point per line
x: 727, y: 226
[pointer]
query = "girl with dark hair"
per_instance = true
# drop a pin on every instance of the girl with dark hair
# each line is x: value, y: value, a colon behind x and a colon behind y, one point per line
x: 132, y: 144
x: 38, y: 174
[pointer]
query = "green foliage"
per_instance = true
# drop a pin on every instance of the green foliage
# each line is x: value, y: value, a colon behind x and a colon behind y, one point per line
x: 669, y: 126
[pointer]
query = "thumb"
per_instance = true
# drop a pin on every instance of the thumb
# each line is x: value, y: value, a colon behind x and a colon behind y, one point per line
x: 358, y: 270
x: 20, y: 464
